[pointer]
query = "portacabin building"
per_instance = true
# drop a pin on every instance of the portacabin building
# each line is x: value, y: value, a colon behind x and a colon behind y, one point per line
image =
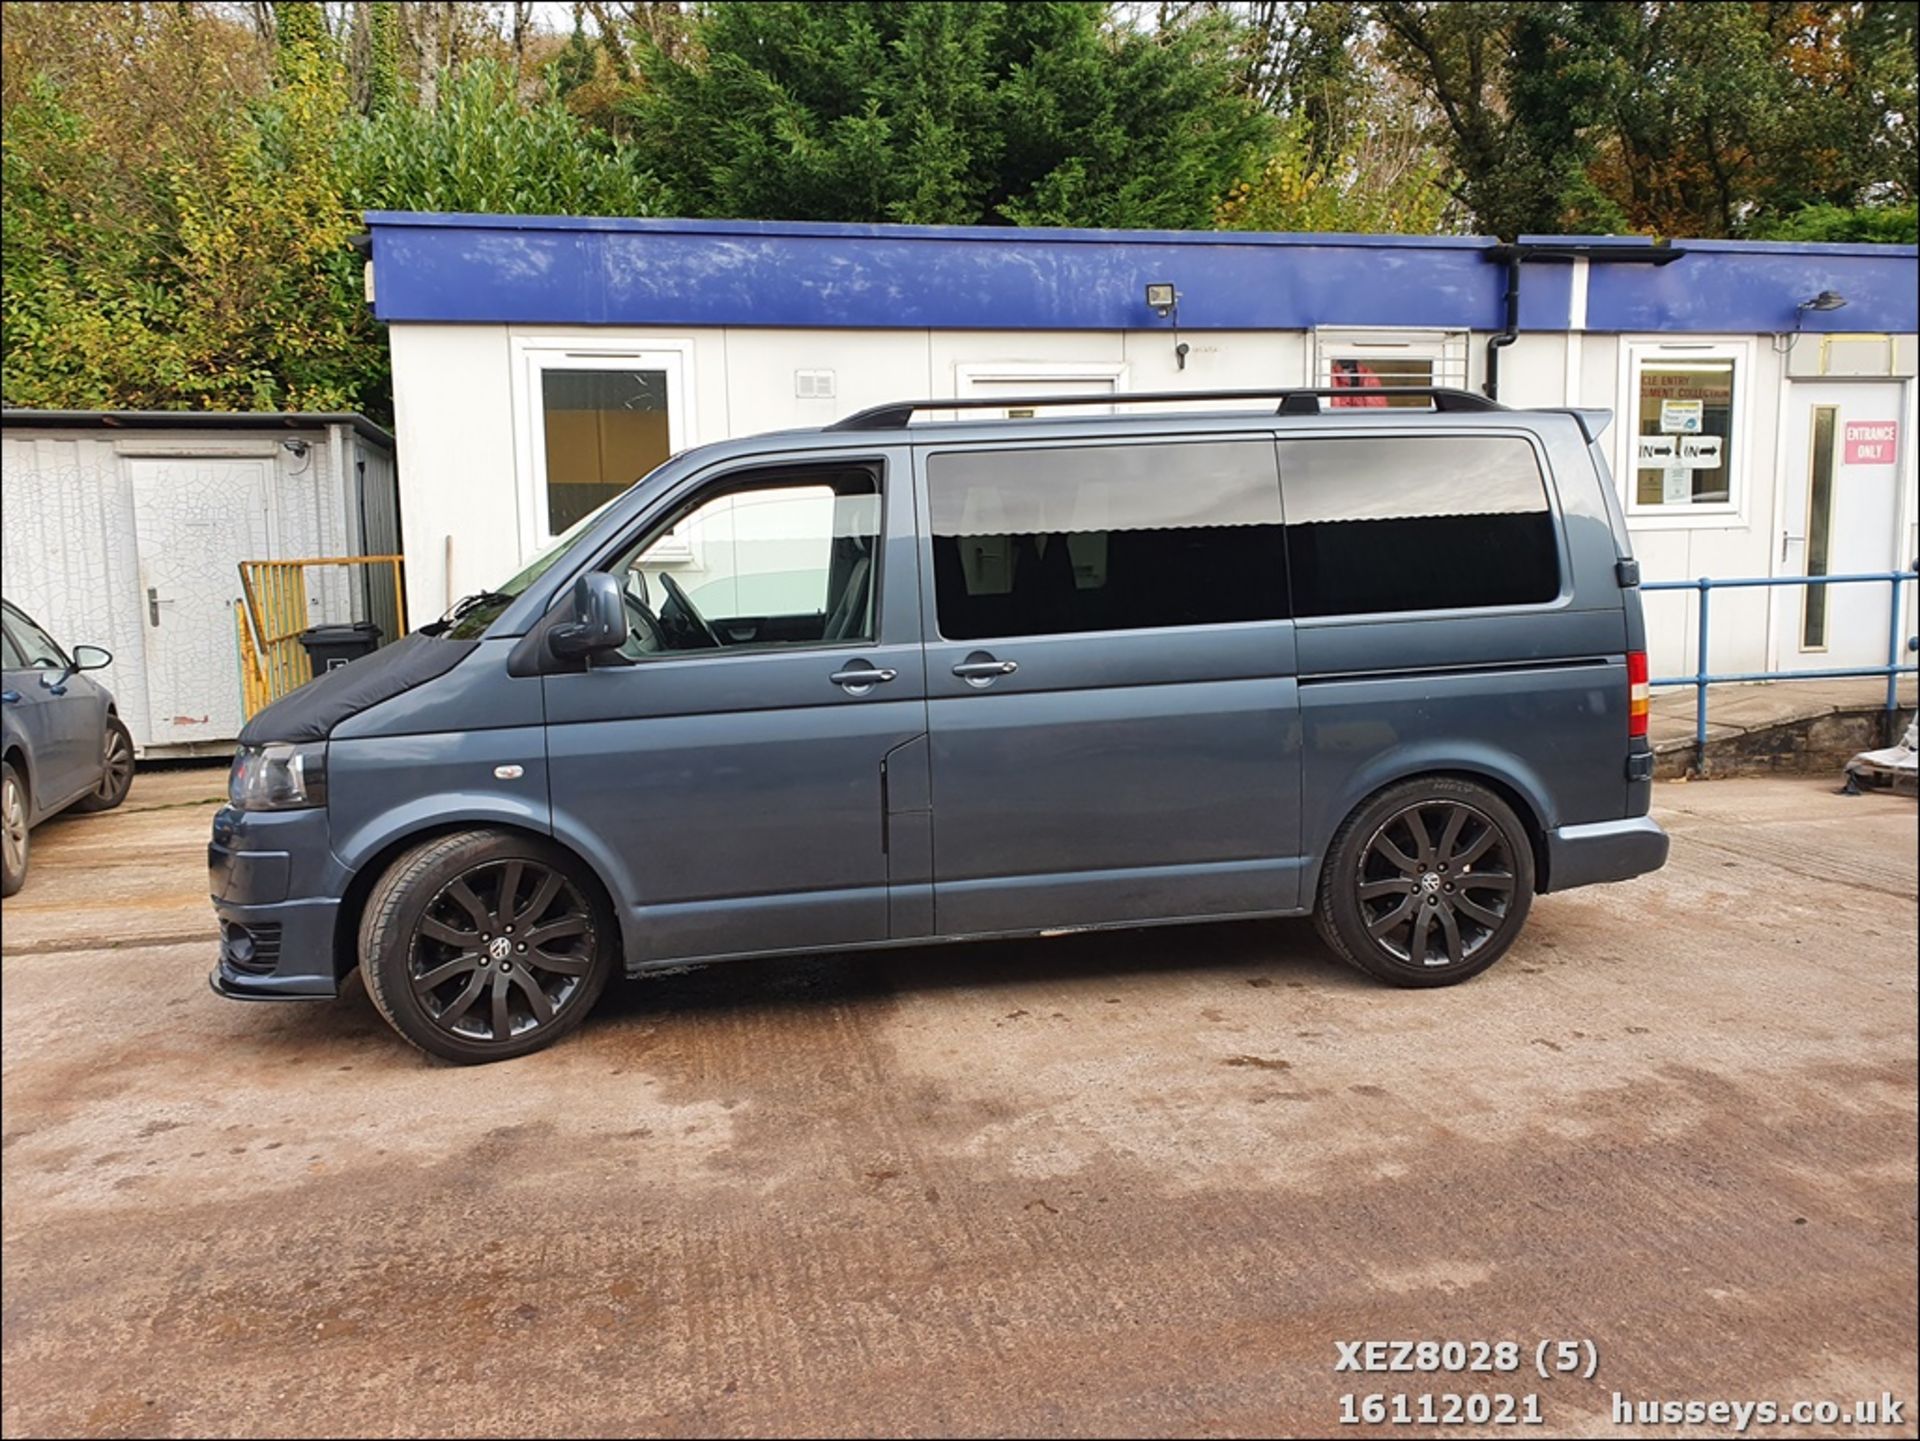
x: 1763, y: 395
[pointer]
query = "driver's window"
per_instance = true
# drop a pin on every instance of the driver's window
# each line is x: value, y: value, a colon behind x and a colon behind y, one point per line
x: 773, y: 559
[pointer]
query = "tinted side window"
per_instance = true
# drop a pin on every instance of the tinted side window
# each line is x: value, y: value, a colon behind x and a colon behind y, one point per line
x: 1431, y: 522
x: 1113, y: 537
x: 10, y: 657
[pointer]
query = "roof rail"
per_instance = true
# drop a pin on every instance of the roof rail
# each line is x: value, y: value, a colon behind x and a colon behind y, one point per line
x: 1293, y: 400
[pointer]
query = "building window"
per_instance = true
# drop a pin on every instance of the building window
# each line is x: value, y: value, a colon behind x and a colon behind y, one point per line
x: 1363, y: 359
x: 604, y: 429
x: 1686, y: 429
x: 1813, y: 619
x: 1405, y: 523
x: 596, y: 419
x: 1097, y: 538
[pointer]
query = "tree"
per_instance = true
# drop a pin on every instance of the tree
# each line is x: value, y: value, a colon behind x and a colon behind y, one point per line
x: 1726, y: 117
x: 1669, y: 116
x: 1385, y: 179
x: 997, y: 113
x: 179, y: 195
x: 1516, y: 92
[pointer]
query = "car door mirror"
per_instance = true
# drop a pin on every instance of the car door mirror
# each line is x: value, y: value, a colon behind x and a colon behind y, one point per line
x: 91, y: 657
x: 598, y: 622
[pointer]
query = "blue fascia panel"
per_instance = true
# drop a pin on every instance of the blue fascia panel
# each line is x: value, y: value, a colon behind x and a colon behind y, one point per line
x: 612, y: 271
x: 1746, y: 288
x: 684, y: 273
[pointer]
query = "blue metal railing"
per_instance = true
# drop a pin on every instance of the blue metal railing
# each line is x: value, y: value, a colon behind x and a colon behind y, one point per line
x: 1703, y: 677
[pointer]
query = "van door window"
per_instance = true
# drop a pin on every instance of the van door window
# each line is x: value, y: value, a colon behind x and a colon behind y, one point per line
x: 1094, y: 538
x: 780, y: 559
x: 1407, y: 523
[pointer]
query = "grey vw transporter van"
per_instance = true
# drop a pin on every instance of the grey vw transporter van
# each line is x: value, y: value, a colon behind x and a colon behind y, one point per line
x: 887, y: 683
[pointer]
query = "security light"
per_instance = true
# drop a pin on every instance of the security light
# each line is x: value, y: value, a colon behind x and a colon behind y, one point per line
x: 1825, y: 300
x: 1164, y: 301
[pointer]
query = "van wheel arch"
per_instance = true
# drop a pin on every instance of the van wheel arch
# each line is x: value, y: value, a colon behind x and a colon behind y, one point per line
x: 353, y: 903
x: 1517, y: 799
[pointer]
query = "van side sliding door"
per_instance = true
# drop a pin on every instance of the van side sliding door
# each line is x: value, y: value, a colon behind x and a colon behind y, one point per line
x: 1110, y: 678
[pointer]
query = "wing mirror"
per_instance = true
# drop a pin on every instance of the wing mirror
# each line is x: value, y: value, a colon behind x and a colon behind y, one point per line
x: 598, y: 622
x: 91, y: 657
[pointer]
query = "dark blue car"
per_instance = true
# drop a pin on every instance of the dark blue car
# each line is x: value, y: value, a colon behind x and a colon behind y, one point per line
x: 63, y: 740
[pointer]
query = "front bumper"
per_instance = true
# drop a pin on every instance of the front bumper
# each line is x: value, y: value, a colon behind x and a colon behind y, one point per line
x: 1604, y: 851
x: 275, y: 888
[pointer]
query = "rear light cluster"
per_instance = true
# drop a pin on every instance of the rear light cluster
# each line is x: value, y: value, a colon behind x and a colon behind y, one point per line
x: 1638, y: 693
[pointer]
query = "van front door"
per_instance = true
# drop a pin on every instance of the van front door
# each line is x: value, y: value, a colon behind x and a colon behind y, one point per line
x: 731, y: 772
x: 1112, y: 710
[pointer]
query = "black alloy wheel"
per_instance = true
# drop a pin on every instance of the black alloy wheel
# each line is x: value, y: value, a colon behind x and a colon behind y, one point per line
x: 1436, y: 883
x: 486, y: 944
x: 501, y: 950
x: 1427, y: 883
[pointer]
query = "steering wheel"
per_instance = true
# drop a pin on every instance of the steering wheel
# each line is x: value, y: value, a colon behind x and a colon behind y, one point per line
x: 643, y: 630
x: 678, y: 598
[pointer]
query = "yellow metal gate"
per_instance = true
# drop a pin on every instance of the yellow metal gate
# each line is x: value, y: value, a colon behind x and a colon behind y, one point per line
x: 275, y: 611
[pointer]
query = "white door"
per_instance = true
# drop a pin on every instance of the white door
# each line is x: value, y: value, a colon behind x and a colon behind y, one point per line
x: 1847, y: 452
x: 197, y: 518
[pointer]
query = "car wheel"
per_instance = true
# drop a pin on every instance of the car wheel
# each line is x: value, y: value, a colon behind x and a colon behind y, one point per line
x: 485, y: 945
x: 116, y: 777
x: 1426, y: 884
x: 14, y: 836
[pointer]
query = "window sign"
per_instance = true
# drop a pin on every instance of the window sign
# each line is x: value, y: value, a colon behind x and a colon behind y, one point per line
x: 1685, y: 411
x: 1699, y: 452
x: 1681, y: 417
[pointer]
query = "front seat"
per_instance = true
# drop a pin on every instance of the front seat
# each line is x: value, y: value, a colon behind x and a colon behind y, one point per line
x: 849, y: 615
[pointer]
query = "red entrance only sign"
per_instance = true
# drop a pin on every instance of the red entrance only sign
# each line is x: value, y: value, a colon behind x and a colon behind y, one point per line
x: 1871, y: 442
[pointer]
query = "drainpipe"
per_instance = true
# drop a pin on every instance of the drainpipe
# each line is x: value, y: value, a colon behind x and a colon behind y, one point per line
x: 1653, y: 253
x: 1496, y: 343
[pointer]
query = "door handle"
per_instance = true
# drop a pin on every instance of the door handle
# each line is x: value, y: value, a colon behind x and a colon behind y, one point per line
x: 859, y: 679
x: 981, y: 670
x: 11, y: 697
x: 153, y: 605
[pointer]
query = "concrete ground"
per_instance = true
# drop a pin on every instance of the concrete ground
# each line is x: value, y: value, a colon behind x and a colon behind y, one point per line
x: 1121, y: 1184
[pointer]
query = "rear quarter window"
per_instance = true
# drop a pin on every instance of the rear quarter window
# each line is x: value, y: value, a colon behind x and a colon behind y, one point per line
x: 1413, y: 523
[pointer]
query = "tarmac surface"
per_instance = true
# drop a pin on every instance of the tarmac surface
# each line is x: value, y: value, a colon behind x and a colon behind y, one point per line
x: 1104, y: 1184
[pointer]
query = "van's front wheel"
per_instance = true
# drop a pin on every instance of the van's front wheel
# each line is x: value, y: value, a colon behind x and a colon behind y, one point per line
x: 485, y: 945
x: 1426, y: 884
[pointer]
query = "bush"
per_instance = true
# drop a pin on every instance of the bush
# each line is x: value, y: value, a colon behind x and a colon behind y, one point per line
x: 1877, y: 225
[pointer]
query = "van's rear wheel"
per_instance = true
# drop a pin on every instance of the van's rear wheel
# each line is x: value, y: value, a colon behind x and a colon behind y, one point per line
x: 1426, y: 884
x: 485, y: 945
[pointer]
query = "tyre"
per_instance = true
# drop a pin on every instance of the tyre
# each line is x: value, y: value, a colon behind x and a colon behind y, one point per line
x: 14, y: 836
x: 485, y: 945
x: 1427, y: 883
x: 117, y: 774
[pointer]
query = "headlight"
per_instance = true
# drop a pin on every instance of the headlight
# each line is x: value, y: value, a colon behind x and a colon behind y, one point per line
x: 278, y: 777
